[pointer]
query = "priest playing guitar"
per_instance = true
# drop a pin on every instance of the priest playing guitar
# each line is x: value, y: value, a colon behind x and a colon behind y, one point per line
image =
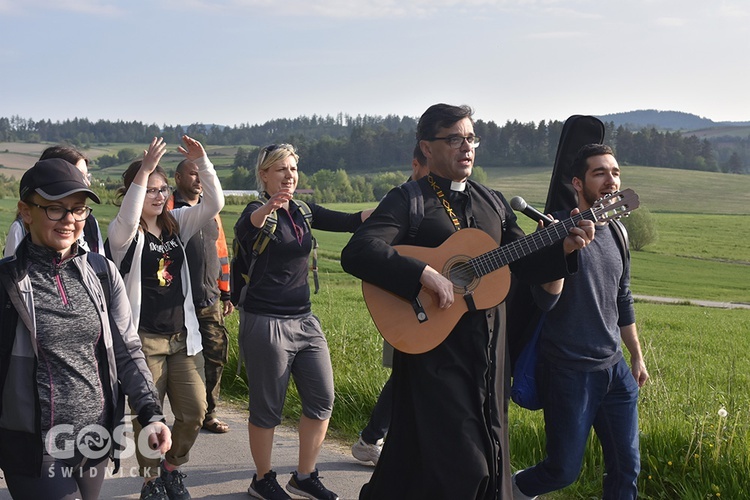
x: 448, y: 437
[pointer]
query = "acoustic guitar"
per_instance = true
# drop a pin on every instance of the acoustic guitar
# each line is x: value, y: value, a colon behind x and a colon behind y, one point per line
x: 478, y: 268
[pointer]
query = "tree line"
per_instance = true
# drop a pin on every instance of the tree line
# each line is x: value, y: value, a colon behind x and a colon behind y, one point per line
x: 376, y: 143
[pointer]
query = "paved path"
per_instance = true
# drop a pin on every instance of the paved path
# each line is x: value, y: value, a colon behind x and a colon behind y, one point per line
x: 695, y: 302
x: 221, y: 467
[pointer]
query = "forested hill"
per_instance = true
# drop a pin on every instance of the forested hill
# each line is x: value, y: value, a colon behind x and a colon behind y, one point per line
x: 664, y: 120
x: 376, y: 143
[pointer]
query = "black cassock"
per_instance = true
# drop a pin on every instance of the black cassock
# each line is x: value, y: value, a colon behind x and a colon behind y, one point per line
x: 448, y: 437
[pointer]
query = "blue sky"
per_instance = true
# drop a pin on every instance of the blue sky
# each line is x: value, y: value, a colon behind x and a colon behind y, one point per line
x: 248, y: 61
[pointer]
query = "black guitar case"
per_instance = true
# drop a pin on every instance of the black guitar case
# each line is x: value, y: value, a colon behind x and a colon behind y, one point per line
x: 577, y: 131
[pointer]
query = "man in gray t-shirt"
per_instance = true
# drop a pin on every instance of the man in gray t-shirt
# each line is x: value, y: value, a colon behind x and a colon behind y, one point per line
x: 584, y: 381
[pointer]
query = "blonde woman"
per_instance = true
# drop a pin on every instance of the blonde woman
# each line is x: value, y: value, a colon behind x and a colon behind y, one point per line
x: 146, y: 242
x: 279, y: 335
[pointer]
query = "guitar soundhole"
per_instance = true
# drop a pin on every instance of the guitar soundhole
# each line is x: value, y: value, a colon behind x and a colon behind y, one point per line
x: 461, y: 273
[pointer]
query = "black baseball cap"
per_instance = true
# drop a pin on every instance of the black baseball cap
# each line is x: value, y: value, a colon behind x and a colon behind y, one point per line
x: 54, y: 179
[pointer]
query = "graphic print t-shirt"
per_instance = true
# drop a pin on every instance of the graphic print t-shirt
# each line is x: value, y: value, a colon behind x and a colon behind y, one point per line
x: 162, y: 304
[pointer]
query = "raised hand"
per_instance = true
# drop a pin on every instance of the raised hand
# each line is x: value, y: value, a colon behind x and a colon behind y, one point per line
x: 193, y: 149
x: 276, y: 200
x: 153, y: 154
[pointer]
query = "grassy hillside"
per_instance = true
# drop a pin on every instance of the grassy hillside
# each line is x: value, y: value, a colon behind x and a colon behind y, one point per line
x: 16, y: 157
x: 739, y: 132
x: 659, y: 189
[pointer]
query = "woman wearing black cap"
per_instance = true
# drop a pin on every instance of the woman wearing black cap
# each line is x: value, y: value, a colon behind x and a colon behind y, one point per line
x: 91, y: 238
x: 69, y: 353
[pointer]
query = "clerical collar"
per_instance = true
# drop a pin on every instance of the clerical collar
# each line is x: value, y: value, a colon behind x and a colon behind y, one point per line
x: 458, y: 186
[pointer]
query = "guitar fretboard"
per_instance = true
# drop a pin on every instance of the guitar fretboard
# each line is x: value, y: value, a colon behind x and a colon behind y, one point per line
x: 611, y: 207
x: 504, y: 255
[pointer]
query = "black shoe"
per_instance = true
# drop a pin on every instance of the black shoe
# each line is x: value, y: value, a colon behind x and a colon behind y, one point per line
x: 154, y: 490
x: 267, y: 488
x: 173, y: 484
x: 310, y: 488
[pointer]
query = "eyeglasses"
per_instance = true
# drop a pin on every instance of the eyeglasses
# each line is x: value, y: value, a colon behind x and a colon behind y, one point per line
x: 456, y: 141
x: 274, y: 147
x: 58, y: 212
x: 155, y: 192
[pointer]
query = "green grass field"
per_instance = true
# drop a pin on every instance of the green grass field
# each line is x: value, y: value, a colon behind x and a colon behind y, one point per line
x: 696, y: 356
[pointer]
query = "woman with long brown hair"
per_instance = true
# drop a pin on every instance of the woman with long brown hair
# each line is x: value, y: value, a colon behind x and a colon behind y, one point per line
x: 146, y: 242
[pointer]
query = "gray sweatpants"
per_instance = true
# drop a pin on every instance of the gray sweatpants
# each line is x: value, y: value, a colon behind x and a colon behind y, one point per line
x: 273, y: 349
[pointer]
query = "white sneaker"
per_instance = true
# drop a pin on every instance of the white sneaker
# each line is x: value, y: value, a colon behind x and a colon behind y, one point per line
x: 517, y: 493
x: 366, y: 452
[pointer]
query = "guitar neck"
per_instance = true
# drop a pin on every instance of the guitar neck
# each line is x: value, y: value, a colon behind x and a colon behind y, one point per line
x: 518, y: 249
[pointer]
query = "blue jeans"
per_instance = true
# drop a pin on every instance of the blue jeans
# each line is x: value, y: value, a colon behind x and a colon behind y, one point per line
x: 606, y: 400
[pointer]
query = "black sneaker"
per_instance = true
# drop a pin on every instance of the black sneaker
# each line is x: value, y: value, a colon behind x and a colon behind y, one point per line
x: 310, y: 488
x: 154, y: 490
x: 173, y: 484
x: 267, y: 488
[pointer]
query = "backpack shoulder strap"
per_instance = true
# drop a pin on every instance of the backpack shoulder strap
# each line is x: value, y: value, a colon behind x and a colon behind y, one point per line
x: 622, y: 237
x: 416, y: 206
x: 127, y: 261
x: 307, y: 214
x: 8, y: 320
x: 491, y: 194
x: 245, y: 269
x: 99, y: 265
x: 265, y: 236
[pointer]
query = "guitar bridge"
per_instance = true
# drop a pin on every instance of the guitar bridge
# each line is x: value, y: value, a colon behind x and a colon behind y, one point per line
x: 419, y: 310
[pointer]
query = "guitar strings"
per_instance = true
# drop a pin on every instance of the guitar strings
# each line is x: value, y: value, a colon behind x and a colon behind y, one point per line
x: 503, y: 255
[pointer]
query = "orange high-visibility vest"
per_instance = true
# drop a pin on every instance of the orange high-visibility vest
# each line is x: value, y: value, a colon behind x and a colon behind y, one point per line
x: 221, y: 250
x: 223, y: 253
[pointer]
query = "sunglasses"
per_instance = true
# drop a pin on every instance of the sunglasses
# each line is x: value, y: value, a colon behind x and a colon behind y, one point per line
x: 273, y: 147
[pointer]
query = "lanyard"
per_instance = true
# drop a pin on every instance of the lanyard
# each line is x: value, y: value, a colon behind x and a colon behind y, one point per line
x: 444, y: 202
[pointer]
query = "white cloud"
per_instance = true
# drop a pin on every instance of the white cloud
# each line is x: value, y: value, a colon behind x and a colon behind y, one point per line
x: 374, y: 9
x: 671, y: 21
x: 569, y: 13
x: 95, y: 7
x: 555, y: 35
x: 734, y: 10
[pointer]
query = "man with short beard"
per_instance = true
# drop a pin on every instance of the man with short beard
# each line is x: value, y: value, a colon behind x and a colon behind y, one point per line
x: 583, y: 380
x: 209, y: 267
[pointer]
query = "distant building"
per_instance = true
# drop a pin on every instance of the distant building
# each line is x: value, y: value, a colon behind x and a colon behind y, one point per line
x: 241, y: 192
x: 255, y: 193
